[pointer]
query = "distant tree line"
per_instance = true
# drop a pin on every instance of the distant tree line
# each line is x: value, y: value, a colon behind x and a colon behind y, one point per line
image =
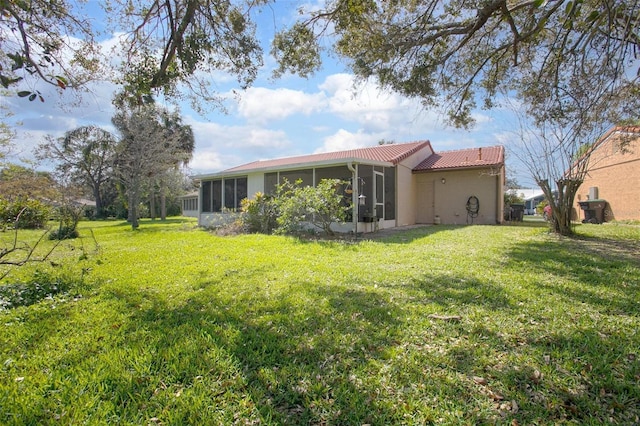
x: 138, y: 172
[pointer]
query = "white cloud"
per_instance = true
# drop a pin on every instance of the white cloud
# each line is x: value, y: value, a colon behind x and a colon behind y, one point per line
x: 378, y: 110
x: 260, y: 105
x: 344, y: 140
x: 220, y: 147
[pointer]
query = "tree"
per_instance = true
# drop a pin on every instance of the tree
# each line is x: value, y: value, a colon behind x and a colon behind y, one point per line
x: 194, y: 38
x: 165, y: 44
x: 182, y: 135
x: 47, y: 41
x: 18, y: 181
x: 85, y: 155
x: 146, y: 149
x: 445, y: 52
x: 554, y: 153
x: 568, y: 63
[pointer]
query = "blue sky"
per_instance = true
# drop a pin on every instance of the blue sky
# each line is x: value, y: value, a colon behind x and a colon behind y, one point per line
x: 277, y: 118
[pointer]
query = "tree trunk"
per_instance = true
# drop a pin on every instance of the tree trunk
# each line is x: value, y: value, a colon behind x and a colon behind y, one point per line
x: 163, y: 205
x: 133, y: 209
x: 561, y: 203
x: 152, y: 206
x: 98, y: 198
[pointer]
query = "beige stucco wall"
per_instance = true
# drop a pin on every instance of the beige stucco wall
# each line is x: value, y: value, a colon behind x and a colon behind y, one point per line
x: 448, y: 200
x: 255, y: 183
x: 407, y: 189
x: 616, y: 174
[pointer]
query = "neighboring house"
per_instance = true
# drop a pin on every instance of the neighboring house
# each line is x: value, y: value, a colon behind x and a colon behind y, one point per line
x: 531, y: 197
x: 189, y: 204
x: 390, y: 185
x: 614, y: 174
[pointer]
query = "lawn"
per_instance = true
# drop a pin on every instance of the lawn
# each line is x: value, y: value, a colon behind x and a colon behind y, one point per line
x: 173, y: 325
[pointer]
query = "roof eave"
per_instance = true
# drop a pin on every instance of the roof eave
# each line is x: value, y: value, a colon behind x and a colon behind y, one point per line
x: 293, y: 166
x: 447, y: 169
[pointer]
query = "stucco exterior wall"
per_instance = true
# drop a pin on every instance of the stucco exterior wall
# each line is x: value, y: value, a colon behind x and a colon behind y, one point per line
x: 407, y: 189
x: 448, y: 200
x: 615, y: 170
x: 255, y: 183
x: 406, y: 195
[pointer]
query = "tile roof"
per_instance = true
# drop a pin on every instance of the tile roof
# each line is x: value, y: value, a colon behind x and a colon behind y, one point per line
x: 463, y: 158
x: 391, y: 153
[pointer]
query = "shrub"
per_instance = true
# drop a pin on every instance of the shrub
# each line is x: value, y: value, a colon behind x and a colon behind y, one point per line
x: 69, y: 216
x: 24, y: 213
x: 294, y: 207
x: 319, y: 206
x: 260, y: 214
x: 64, y: 233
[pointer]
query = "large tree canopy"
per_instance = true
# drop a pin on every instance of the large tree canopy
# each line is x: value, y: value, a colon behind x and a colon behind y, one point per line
x: 152, y: 141
x: 85, y: 156
x: 176, y: 42
x: 164, y: 45
x: 449, y: 52
x: 49, y: 41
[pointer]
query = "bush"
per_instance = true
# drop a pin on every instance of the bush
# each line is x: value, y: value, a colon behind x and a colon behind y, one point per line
x: 294, y: 207
x: 69, y: 216
x: 24, y: 213
x: 64, y: 233
x: 259, y: 214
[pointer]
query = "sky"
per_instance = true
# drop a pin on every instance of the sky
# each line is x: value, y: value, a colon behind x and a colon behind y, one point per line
x: 275, y: 118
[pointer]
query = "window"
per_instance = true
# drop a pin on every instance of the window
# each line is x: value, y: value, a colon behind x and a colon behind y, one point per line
x: 206, y: 196
x: 235, y: 190
x: 378, y: 184
x: 189, y: 204
x: 211, y: 196
x: 270, y: 182
x: 341, y: 172
x: 292, y: 176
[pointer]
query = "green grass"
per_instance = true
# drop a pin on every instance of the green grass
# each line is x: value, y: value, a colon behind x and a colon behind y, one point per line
x: 436, y: 325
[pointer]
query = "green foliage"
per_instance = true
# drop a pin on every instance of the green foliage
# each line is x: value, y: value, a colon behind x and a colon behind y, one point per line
x: 259, y: 214
x: 41, y: 286
x: 64, y: 233
x: 296, y: 52
x: 319, y: 206
x: 294, y: 206
x: 512, y: 197
x: 24, y: 213
x: 174, y: 325
x: 17, y: 181
x: 85, y: 157
x: 68, y: 215
x: 453, y: 53
x: 40, y: 48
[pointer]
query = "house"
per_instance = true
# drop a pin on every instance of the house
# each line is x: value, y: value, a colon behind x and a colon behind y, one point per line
x: 390, y: 185
x: 189, y: 204
x: 531, y: 197
x: 613, y: 174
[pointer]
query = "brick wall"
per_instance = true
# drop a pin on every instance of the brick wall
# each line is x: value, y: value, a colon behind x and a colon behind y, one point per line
x: 614, y: 168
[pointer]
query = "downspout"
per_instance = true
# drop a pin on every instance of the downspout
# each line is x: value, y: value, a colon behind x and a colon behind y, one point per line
x: 354, y: 197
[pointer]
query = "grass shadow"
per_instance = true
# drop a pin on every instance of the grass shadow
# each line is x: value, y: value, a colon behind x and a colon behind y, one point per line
x: 606, y: 270
x: 297, y: 364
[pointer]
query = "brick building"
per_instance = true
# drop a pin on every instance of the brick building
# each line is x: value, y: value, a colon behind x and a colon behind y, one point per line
x: 614, y: 174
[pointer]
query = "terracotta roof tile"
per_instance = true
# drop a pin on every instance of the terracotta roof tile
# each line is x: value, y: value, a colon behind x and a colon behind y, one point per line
x: 463, y: 158
x: 391, y: 153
